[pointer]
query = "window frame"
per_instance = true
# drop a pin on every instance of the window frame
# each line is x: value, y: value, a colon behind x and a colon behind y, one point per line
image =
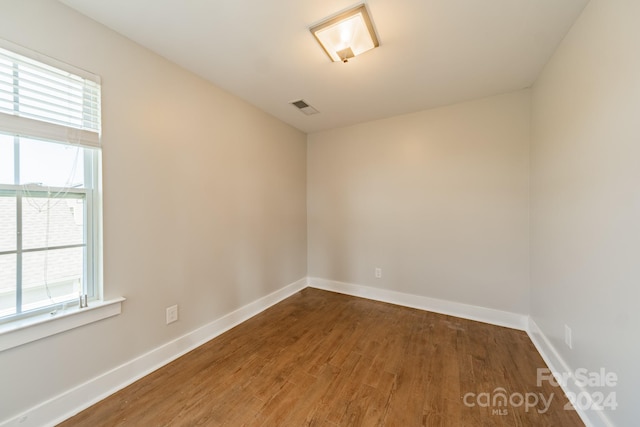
x: 87, y: 139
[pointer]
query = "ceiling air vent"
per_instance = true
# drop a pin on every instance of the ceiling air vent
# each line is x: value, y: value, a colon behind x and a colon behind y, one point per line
x: 304, y: 107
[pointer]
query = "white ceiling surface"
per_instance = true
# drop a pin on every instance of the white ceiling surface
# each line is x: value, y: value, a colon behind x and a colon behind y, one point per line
x: 432, y: 52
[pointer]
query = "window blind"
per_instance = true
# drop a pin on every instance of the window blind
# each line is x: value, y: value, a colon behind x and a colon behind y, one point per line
x: 45, y: 98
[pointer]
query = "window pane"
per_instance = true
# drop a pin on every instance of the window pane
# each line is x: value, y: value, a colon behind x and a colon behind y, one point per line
x: 7, y: 284
x: 50, y: 164
x: 6, y: 159
x: 62, y: 217
x: 7, y: 223
x: 57, y: 271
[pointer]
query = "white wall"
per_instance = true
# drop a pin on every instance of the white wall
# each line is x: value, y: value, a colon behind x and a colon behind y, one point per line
x: 204, y: 203
x: 586, y: 198
x: 438, y: 199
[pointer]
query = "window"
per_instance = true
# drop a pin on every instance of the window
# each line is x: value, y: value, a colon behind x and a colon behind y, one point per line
x: 49, y: 180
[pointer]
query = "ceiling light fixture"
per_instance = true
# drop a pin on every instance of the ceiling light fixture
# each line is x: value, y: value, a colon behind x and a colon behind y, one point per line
x: 347, y: 34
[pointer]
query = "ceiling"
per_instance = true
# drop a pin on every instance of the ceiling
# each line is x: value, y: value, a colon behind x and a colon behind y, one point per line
x: 432, y: 52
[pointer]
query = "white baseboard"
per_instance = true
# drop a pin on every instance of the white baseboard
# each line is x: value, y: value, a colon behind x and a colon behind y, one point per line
x: 81, y: 397
x: 591, y: 418
x: 466, y: 311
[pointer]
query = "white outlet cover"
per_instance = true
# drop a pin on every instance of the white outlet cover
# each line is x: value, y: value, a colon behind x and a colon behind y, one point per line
x: 567, y: 337
x: 172, y: 314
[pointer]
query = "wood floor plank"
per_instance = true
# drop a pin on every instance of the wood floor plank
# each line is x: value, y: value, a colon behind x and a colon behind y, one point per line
x: 325, y: 359
x: 324, y: 406
x: 347, y: 398
x: 303, y: 413
x: 379, y: 406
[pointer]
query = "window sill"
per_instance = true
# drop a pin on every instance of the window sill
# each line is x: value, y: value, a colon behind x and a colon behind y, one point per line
x: 19, y: 332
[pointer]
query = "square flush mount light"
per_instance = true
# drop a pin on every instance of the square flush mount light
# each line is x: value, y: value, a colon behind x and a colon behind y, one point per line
x: 347, y: 34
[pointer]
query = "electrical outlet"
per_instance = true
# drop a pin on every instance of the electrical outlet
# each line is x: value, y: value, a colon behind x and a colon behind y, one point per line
x: 172, y: 314
x: 378, y: 273
x: 567, y: 337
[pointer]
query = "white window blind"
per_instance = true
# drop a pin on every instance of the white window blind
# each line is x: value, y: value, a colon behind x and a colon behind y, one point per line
x: 48, y: 99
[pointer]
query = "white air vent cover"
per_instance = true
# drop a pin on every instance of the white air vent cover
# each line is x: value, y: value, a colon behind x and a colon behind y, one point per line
x: 304, y: 107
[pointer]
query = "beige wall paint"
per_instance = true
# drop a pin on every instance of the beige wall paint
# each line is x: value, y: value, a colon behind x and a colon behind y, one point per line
x: 586, y: 198
x: 204, y: 203
x: 437, y: 199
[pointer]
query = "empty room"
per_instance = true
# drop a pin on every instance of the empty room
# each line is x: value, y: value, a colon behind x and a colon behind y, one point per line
x: 323, y: 213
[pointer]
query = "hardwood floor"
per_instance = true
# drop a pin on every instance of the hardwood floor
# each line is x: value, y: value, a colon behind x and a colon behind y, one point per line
x: 325, y: 359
